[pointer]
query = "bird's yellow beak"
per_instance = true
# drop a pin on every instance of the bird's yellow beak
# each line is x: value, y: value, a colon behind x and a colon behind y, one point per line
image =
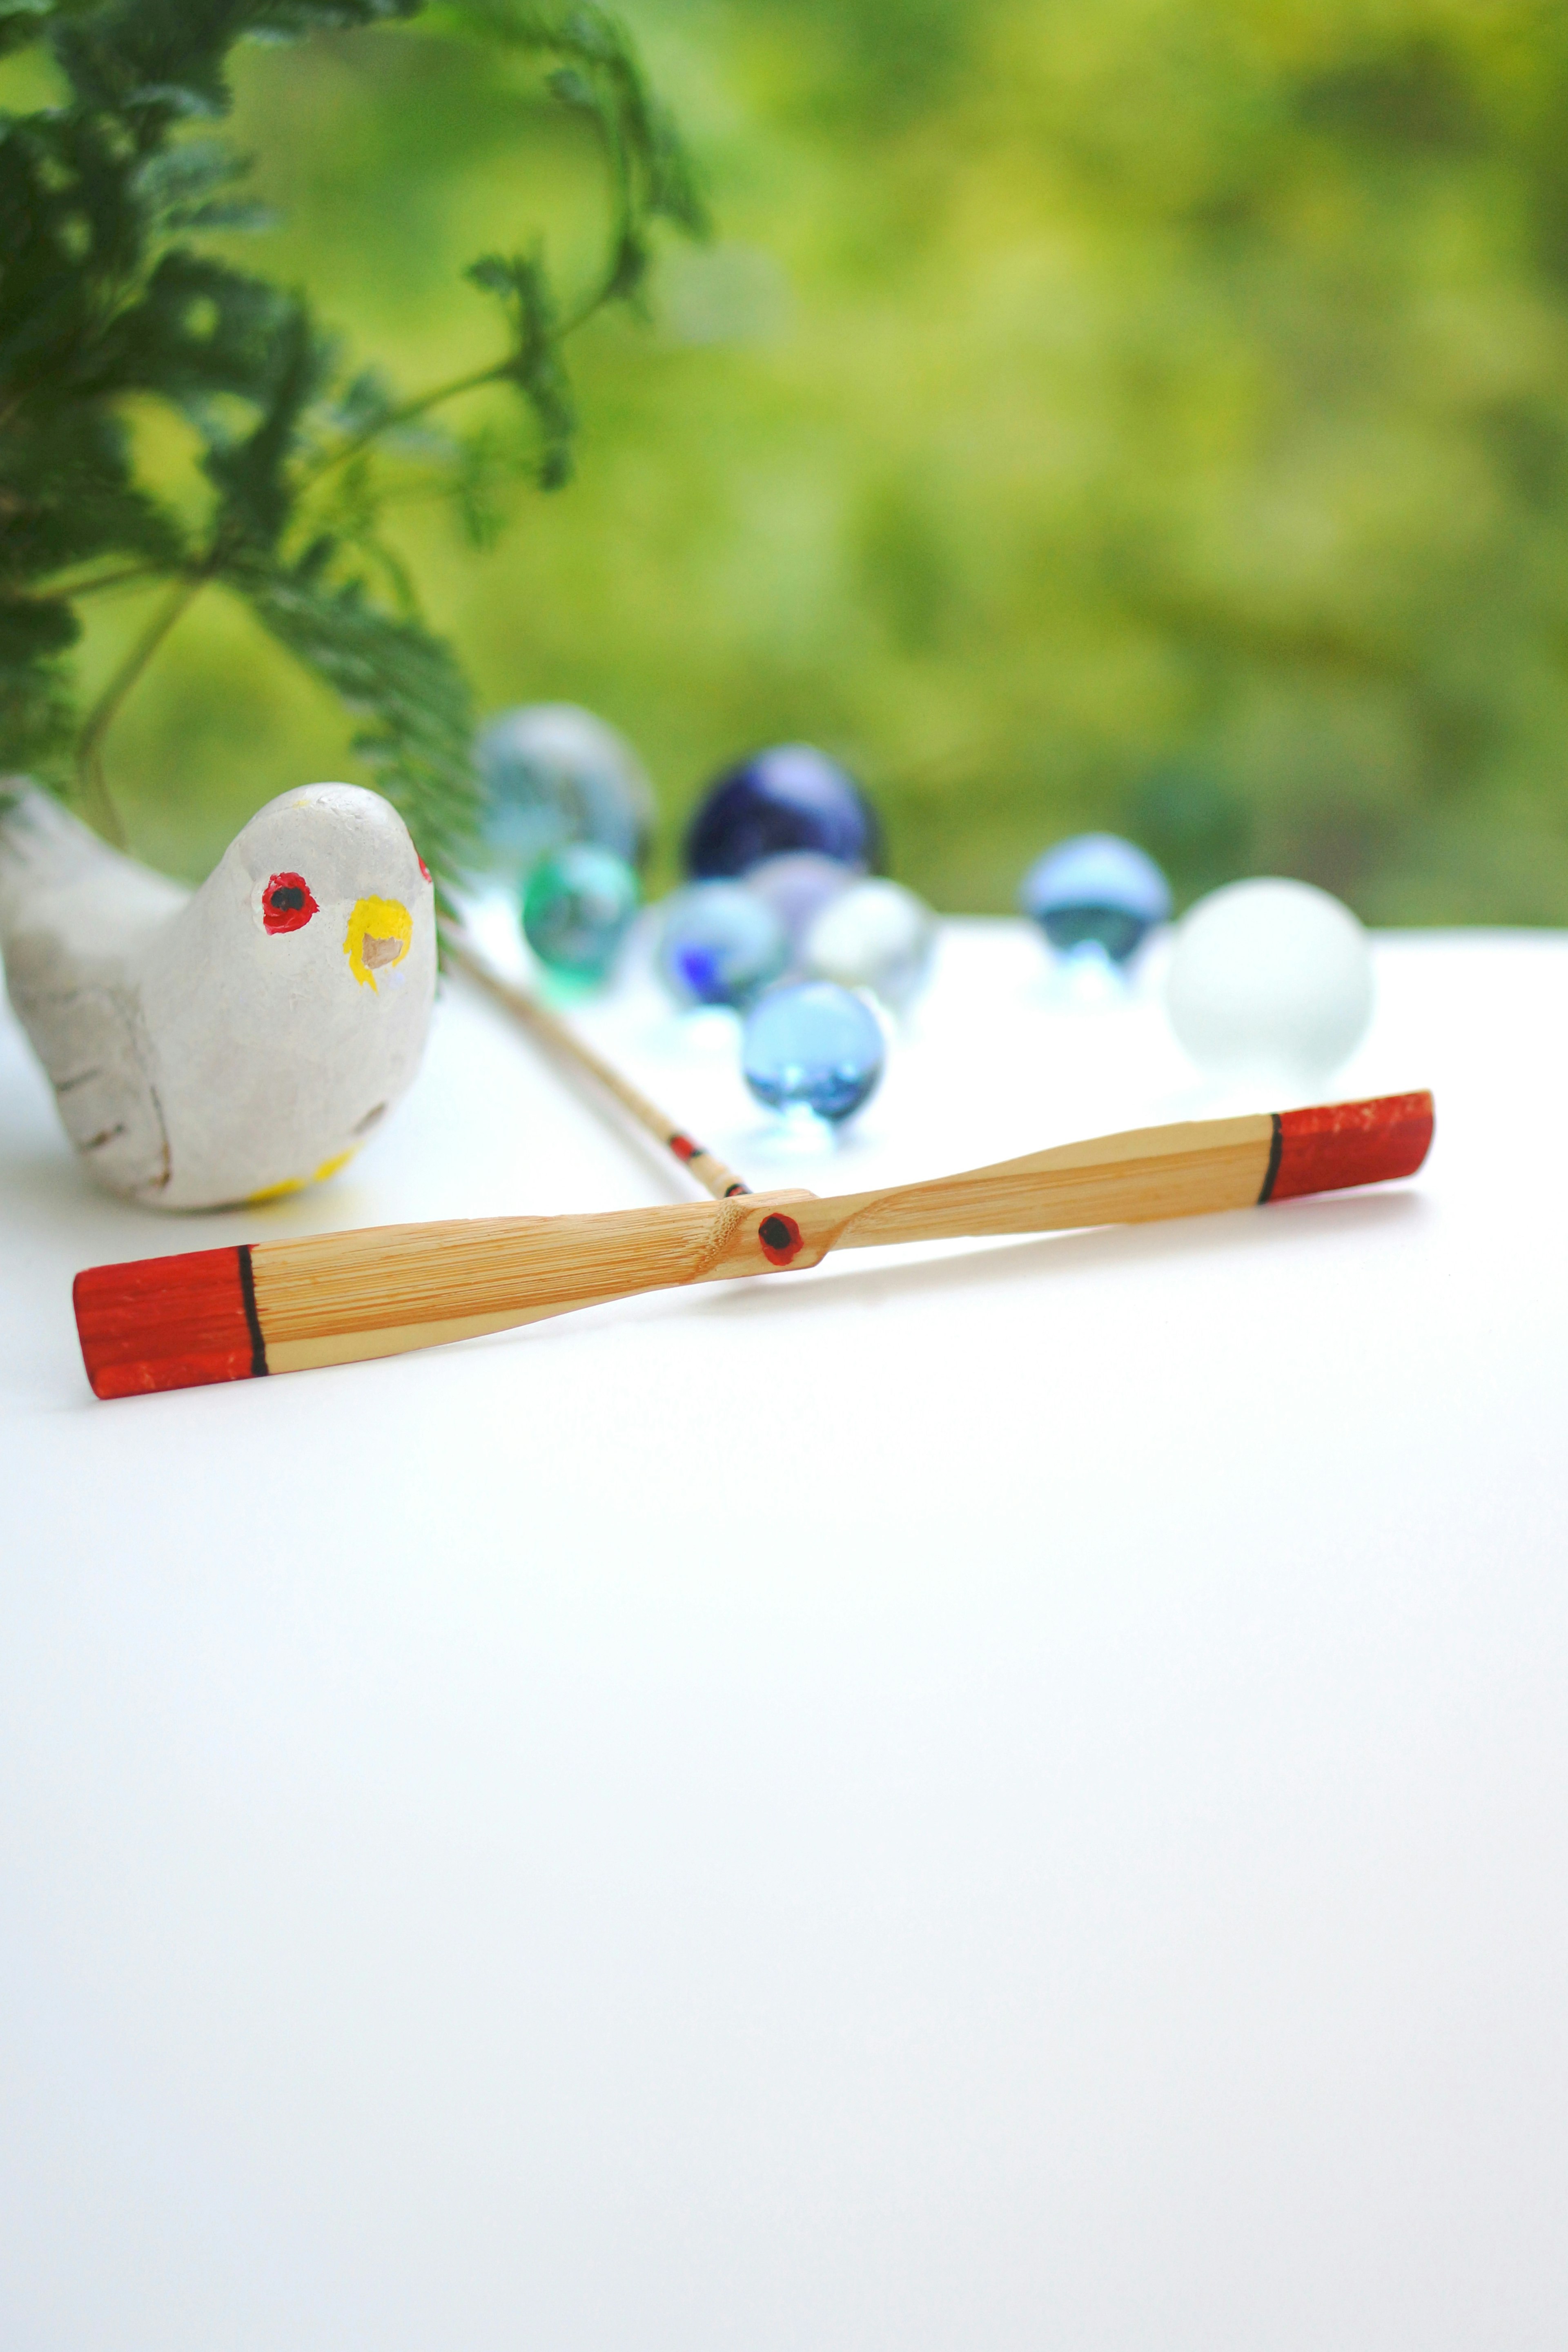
x: 379, y: 933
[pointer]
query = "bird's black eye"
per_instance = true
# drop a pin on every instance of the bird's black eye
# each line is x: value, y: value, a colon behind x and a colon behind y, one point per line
x: 287, y: 904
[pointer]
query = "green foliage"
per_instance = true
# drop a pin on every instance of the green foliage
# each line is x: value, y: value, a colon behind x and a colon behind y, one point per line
x: 1164, y: 429
x: 108, y: 310
x: 535, y: 366
x: 1149, y: 414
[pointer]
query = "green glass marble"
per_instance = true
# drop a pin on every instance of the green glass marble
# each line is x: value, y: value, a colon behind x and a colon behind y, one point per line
x: 577, y: 909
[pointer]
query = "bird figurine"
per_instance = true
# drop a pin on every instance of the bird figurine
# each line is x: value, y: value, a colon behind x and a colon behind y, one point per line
x: 232, y: 1042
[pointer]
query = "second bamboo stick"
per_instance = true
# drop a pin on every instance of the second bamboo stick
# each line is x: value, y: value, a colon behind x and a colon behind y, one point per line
x: 706, y: 1166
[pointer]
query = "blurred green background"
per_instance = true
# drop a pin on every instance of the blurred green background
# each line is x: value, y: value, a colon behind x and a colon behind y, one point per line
x: 1151, y: 414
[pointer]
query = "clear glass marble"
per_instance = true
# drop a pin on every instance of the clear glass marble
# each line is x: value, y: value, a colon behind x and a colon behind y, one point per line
x: 812, y: 1046
x: 577, y: 909
x: 1095, y: 892
x: 554, y: 774
x: 790, y: 797
x: 720, y: 944
x: 876, y: 935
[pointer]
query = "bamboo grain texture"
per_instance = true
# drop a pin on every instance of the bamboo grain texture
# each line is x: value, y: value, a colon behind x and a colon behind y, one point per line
x: 317, y: 1297
x: 339, y: 1297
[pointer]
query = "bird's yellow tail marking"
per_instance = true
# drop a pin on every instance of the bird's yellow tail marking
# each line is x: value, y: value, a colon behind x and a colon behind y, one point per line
x: 298, y: 1183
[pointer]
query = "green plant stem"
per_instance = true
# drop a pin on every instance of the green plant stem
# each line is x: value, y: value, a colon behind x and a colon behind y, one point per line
x: 92, y: 586
x: 404, y: 414
x: 97, y: 799
x: 497, y: 371
x: 621, y: 181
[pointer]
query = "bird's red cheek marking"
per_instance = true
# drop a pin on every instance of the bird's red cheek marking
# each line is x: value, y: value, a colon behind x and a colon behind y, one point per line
x: 287, y: 904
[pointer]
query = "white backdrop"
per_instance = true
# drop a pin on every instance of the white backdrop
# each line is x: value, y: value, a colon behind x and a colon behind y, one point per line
x: 991, y: 1799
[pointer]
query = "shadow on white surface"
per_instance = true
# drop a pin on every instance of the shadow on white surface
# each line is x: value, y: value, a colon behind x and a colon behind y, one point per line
x: 1007, y: 1265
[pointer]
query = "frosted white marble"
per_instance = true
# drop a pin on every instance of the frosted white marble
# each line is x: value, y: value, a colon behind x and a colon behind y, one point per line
x: 1270, y: 979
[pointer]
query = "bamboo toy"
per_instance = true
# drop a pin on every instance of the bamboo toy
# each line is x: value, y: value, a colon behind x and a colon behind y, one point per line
x: 695, y: 1157
x: 283, y: 1307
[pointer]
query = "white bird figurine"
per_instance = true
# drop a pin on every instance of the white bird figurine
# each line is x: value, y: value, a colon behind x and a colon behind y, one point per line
x: 239, y: 1040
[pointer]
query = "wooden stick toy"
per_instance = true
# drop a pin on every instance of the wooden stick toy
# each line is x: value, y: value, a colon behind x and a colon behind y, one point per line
x: 709, y: 1172
x: 283, y: 1307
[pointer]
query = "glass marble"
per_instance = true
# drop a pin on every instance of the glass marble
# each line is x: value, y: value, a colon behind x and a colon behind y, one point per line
x: 1095, y: 892
x: 551, y: 774
x: 797, y: 885
x: 875, y: 935
x: 1270, y: 982
x: 720, y: 944
x: 790, y: 797
x: 578, y: 910
x: 812, y: 1046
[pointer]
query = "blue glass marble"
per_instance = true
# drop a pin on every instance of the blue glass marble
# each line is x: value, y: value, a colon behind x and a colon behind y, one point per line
x: 1095, y: 892
x: 791, y: 797
x: 578, y: 910
x: 720, y: 945
x: 551, y: 774
x: 812, y: 1046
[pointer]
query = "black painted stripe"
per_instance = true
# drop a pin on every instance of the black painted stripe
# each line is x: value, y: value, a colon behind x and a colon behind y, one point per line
x: 1276, y: 1146
x: 701, y: 1151
x: 247, y: 1292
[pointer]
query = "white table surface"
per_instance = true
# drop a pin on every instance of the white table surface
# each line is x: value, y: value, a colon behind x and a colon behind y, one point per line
x: 999, y: 1797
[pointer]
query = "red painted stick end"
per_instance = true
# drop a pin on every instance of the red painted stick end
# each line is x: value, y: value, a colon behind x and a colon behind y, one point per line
x: 1339, y: 1144
x: 168, y: 1323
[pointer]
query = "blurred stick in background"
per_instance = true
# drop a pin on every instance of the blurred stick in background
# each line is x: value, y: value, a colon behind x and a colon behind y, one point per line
x: 558, y: 1039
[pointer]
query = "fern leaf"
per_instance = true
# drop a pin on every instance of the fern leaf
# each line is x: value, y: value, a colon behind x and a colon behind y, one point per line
x: 405, y: 682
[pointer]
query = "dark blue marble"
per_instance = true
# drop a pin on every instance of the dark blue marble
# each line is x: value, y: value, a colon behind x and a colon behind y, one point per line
x: 791, y: 797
